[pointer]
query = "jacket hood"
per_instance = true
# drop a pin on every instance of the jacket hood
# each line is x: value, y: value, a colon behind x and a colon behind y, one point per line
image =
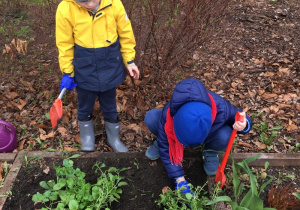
x: 186, y: 91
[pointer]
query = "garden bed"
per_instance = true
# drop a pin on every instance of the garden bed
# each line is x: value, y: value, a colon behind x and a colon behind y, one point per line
x: 145, y: 178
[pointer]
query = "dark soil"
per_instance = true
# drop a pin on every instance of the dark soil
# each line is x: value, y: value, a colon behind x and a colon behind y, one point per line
x: 145, y: 179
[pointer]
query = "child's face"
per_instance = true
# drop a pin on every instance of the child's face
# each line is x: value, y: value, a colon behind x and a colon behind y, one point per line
x: 90, y: 5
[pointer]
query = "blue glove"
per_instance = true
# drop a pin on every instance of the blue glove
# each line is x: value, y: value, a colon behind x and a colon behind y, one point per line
x: 67, y: 82
x: 185, y: 187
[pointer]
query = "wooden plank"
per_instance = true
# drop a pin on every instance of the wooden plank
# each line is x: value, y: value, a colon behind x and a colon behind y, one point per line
x: 274, y: 159
x: 11, y: 176
x: 7, y: 156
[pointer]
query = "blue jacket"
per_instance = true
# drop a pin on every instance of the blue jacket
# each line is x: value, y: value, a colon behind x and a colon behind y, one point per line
x: 193, y: 90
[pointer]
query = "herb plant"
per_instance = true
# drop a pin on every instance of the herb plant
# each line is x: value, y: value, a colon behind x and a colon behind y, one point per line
x: 70, y: 190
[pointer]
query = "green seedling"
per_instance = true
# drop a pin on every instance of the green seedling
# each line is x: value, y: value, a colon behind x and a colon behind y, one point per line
x: 70, y: 190
x: 283, y: 178
x: 136, y: 163
x: 267, y: 134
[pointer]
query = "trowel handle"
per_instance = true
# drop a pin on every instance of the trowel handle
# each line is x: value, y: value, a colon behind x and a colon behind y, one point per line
x: 62, y: 93
x: 238, y: 117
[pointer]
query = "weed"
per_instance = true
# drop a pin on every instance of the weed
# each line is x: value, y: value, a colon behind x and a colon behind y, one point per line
x: 283, y: 178
x: 267, y: 134
x: 136, y: 163
x: 28, y: 161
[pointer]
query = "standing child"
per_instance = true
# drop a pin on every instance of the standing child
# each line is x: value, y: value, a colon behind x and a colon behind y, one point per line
x: 194, y: 116
x: 94, y: 39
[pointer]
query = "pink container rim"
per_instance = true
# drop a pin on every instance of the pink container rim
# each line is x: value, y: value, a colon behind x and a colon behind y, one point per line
x: 8, y: 137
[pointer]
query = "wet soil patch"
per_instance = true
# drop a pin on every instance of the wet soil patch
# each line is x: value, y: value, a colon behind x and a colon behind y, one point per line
x: 145, y: 179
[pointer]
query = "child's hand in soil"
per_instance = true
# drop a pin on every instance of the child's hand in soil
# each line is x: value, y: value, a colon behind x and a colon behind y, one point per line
x: 183, y: 186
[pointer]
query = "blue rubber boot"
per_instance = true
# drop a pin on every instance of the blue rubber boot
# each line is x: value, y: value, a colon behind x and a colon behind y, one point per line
x: 153, y: 152
x: 210, y: 162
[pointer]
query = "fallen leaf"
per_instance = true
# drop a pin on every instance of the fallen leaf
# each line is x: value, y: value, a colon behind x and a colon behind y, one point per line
x: 21, y: 145
x: 292, y: 126
x: 1, y: 171
x: 165, y: 189
x: 244, y: 144
x: 46, y: 170
x: 44, y: 136
x: 70, y: 149
x: 285, y: 71
x: 12, y: 95
x: 62, y: 131
x: 269, y: 95
x: 260, y: 145
x: 21, y: 105
x: 77, y: 138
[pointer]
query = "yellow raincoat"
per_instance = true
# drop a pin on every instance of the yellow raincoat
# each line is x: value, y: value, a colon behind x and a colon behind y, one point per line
x: 89, y: 32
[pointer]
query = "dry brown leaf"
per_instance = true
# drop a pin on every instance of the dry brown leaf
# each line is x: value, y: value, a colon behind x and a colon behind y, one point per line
x: 209, y: 75
x: 288, y: 97
x: 22, y: 46
x: 292, y: 126
x: 12, y: 95
x: 21, y: 145
x: 134, y: 127
x: 1, y: 171
x: 70, y: 149
x: 46, y: 170
x: 44, y: 136
x: 62, y: 131
x: 129, y: 136
x: 65, y: 119
x: 77, y: 138
x: 33, y: 122
x: 9, y: 51
x: 274, y: 108
x: 19, y: 106
x: 260, y: 145
x: 269, y: 74
x: 284, y: 71
x: 165, y: 189
x: 261, y: 91
x: 269, y: 95
x: 244, y: 144
x: 233, y: 85
x: 43, y: 126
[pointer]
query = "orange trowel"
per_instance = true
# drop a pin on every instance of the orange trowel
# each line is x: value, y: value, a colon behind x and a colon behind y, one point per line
x: 56, y: 111
x: 220, y: 176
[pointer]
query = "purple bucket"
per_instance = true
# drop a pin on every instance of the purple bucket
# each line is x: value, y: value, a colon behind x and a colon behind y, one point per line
x: 8, y: 137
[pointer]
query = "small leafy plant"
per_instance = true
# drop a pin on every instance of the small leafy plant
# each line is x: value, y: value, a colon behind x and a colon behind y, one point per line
x: 70, y: 190
x: 175, y: 200
x: 267, y: 134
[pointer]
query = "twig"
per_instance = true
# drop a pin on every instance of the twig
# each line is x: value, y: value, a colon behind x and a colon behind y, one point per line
x: 259, y: 71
